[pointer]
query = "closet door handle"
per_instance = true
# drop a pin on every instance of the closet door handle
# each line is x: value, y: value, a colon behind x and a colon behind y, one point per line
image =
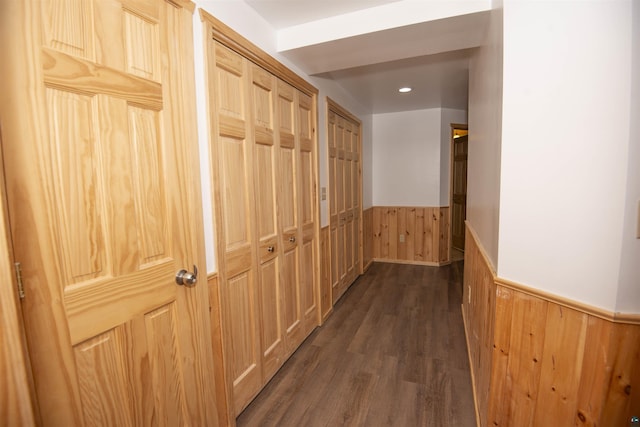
x: 270, y: 249
x: 292, y: 239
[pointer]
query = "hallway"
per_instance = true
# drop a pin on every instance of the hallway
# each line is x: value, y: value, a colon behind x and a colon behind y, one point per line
x: 392, y: 354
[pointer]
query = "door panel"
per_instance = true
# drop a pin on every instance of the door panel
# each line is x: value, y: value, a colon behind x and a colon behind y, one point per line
x: 265, y: 167
x: 238, y: 278
x: 100, y: 194
x: 289, y: 214
x: 344, y: 203
x: 308, y: 292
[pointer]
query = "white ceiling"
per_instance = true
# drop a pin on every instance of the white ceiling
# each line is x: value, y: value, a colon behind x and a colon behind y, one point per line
x: 431, y: 57
x: 287, y: 13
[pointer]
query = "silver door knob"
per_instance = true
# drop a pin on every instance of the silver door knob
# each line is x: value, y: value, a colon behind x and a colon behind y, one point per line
x: 292, y: 239
x: 187, y: 278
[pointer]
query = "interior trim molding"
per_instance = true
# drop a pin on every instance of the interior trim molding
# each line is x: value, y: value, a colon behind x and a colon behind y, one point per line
x: 615, y: 317
x: 236, y: 42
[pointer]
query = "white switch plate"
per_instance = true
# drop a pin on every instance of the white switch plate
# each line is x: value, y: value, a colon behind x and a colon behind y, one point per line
x: 323, y: 193
x: 402, y: 238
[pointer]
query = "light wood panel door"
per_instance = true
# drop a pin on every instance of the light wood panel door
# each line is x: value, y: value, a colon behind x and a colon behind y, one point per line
x: 233, y: 148
x: 104, y: 207
x: 459, y: 191
x: 266, y: 168
x: 345, y: 205
x: 288, y: 201
x: 309, y: 290
x: 335, y: 194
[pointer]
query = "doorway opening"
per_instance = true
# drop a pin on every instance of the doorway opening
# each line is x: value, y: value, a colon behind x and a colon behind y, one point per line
x: 458, y: 188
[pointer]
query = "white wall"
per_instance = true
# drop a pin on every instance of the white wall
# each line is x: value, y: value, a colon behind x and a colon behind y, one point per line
x: 406, y: 158
x: 244, y: 20
x: 485, y: 136
x: 367, y: 161
x: 628, y: 300
x: 565, y: 140
x: 448, y: 117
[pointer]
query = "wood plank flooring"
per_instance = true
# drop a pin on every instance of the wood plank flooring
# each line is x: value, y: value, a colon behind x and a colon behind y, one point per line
x: 392, y: 354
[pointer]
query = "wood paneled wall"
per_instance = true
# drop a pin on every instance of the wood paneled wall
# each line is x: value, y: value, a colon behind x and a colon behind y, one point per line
x: 326, y: 300
x: 425, y: 231
x: 478, y: 310
x: 223, y: 409
x: 367, y: 238
x: 539, y: 362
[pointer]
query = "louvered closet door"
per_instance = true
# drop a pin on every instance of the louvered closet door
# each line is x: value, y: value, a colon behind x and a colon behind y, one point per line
x: 307, y: 205
x: 233, y: 154
x: 289, y: 216
x: 269, y: 255
x: 99, y: 148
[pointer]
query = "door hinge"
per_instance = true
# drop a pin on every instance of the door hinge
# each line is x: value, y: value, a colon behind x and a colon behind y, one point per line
x: 18, y: 268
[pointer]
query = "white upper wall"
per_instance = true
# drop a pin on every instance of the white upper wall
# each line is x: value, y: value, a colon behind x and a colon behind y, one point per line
x: 485, y: 136
x: 565, y: 141
x: 628, y: 300
x: 406, y: 158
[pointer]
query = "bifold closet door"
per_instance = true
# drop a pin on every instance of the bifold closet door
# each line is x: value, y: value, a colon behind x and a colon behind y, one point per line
x: 289, y: 216
x: 233, y: 166
x: 307, y: 208
x: 344, y: 202
x: 266, y: 166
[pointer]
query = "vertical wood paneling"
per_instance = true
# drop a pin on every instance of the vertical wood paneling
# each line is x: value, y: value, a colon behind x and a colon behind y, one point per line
x: 537, y: 362
x: 326, y: 303
x: 425, y: 231
x: 478, y: 308
x: 368, y: 237
x: 223, y: 409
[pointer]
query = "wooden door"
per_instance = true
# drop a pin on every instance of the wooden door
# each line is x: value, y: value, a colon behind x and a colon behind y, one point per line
x: 459, y: 191
x: 269, y: 256
x: 233, y: 149
x: 356, y: 203
x: 290, y: 235
x: 100, y: 148
x: 347, y: 183
x: 345, y: 195
x: 334, y: 195
x: 307, y: 207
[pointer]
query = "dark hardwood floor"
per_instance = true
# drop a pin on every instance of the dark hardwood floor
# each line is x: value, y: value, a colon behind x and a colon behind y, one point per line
x: 392, y: 354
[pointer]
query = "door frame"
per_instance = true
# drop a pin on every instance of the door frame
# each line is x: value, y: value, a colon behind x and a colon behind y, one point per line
x: 21, y: 406
x: 452, y: 128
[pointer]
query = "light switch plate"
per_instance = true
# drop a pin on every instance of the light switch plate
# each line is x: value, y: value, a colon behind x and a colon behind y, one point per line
x: 323, y: 193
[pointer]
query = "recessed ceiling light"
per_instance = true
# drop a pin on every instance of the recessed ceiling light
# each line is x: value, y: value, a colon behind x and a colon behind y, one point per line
x: 404, y: 89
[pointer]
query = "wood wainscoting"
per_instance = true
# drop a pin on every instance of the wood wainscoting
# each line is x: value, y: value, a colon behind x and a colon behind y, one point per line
x: 425, y: 231
x: 326, y: 299
x: 223, y: 408
x: 540, y: 360
x: 367, y: 238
